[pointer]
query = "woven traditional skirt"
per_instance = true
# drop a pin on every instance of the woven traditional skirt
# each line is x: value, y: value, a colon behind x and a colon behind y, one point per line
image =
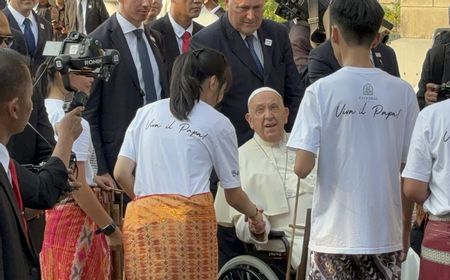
x: 71, y: 249
x: 435, y: 259
x: 171, y: 237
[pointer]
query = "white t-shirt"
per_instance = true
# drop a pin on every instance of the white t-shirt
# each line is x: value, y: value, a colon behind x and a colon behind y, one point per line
x: 361, y: 119
x: 176, y: 157
x: 429, y: 156
x: 82, y: 147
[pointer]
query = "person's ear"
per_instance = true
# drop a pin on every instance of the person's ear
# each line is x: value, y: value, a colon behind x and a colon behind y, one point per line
x: 335, y: 36
x: 214, y: 83
x: 286, y: 115
x: 12, y: 107
x: 375, y: 41
x: 248, y: 118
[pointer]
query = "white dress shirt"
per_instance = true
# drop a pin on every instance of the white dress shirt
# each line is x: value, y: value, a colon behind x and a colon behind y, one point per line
x: 20, y: 18
x: 128, y: 28
x: 179, y: 31
x: 4, y: 160
x: 84, y: 5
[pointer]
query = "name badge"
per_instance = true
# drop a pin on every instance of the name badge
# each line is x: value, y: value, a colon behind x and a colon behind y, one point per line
x: 42, y: 26
x: 268, y: 42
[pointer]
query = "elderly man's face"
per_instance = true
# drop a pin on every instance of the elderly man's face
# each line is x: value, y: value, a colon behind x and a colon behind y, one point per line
x: 5, y: 31
x: 267, y: 116
x: 23, y: 6
x: 135, y: 11
x: 245, y: 15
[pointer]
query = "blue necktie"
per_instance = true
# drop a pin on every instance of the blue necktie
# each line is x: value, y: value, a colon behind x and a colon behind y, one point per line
x: 29, y: 37
x: 249, y: 40
x: 146, y: 66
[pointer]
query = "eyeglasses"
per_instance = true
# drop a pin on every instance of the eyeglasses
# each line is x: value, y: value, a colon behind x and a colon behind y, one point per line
x: 7, y: 39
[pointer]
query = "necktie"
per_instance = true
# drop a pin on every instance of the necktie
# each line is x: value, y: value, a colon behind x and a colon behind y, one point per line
x: 251, y: 47
x: 29, y: 37
x: 146, y: 67
x: 16, y: 189
x: 80, y: 18
x: 186, y: 40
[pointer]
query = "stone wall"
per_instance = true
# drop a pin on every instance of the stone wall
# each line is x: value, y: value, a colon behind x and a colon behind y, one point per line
x: 418, y: 18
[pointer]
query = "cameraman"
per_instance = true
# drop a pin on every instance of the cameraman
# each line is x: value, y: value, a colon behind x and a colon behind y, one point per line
x: 18, y: 187
x: 435, y: 71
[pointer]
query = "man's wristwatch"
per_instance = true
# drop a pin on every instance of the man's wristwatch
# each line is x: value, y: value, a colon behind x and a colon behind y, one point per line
x: 107, y: 230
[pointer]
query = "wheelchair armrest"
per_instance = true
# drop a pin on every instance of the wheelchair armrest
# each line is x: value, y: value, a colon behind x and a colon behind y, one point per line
x: 276, y: 234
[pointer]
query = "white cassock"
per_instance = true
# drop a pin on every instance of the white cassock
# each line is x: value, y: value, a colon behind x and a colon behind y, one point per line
x: 268, y: 178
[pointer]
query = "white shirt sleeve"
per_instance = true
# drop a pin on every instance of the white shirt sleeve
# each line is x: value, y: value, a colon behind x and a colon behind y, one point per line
x: 81, y: 146
x: 420, y: 161
x: 243, y: 232
x: 128, y: 148
x: 305, y: 134
x: 225, y: 158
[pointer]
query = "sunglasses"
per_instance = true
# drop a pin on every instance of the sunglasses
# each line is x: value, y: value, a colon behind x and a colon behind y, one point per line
x: 7, y: 39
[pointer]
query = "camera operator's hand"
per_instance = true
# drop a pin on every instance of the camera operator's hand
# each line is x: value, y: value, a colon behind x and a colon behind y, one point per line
x: 70, y: 125
x: 115, y: 240
x: 431, y: 94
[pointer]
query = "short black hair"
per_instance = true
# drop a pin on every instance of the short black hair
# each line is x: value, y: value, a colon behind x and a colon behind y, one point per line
x: 358, y: 20
x: 13, y: 74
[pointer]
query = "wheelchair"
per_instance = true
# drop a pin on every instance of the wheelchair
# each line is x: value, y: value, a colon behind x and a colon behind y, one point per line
x: 268, y: 265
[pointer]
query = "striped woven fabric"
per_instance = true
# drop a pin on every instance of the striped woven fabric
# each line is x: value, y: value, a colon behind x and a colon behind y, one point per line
x: 435, y: 258
x: 171, y: 237
x: 71, y: 249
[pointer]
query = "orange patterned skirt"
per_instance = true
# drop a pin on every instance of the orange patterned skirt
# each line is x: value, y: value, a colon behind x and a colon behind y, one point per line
x: 171, y: 237
x: 71, y: 249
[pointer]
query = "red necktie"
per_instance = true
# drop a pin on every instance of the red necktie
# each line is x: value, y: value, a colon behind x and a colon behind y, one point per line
x: 186, y: 40
x: 16, y: 189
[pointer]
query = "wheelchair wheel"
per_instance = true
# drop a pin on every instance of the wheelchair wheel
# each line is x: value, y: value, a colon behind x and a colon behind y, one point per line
x: 246, y: 268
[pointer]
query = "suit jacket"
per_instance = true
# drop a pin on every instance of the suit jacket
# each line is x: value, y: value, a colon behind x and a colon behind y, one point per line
x: 171, y: 50
x: 17, y: 257
x: 45, y: 33
x: 280, y: 71
x: 96, y: 14
x: 28, y: 147
x: 113, y: 104
x: 322, y: 61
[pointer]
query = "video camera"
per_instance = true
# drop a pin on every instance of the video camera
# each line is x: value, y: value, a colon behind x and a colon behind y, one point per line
x: 81, y: 55
x: 309, y: 11
x: 444, y: 91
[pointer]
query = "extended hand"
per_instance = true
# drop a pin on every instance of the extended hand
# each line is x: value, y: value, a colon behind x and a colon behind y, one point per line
x: 105, y: 182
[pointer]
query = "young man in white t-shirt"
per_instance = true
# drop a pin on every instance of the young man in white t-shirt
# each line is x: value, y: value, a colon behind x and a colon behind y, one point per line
x: 361, y: 119
x: 427, y: 182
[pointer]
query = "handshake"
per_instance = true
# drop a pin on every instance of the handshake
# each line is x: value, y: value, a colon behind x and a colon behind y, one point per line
x: 256, y: 225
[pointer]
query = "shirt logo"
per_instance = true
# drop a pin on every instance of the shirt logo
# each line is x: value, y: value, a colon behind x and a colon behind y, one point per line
x: 368, y: 89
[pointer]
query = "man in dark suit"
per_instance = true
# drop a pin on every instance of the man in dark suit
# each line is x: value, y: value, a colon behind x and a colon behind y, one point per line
x: 36, y: 30
x: 322, y: 61
x: 268, y: 62
x: 28, y: 147
x: 18, y: 187
x: 133, y: 82
x: 93, y: 14
x: 177, y: 27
